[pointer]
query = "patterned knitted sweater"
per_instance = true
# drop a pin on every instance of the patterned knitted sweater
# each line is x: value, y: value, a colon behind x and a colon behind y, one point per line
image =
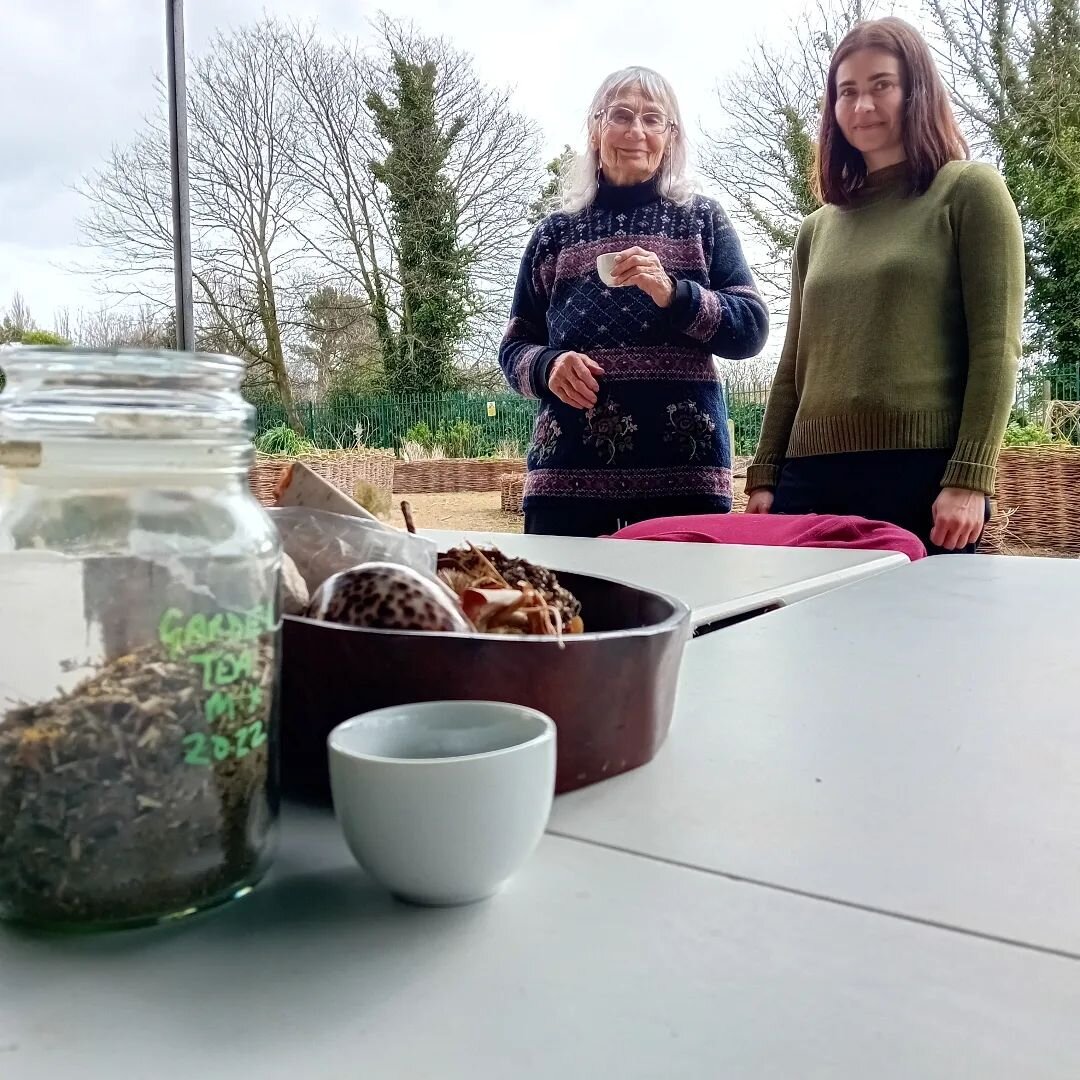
x: 659, y: 427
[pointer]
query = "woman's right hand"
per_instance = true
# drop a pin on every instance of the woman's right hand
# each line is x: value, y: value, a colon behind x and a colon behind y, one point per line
x: 572, y: 379
x: 760, y: 502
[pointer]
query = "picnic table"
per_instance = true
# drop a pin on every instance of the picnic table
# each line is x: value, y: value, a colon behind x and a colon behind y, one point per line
x: 593, y: 963
x: 855, y: 857
x: 908, y: 745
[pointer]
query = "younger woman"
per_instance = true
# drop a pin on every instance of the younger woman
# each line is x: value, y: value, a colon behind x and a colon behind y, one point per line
x: 899, y: 366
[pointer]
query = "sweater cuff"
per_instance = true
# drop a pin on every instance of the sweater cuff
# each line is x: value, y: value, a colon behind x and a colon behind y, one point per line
x: 542, y: 371
x: 682, y: 307
x: 973, y: 467
x: 533, y: 368
x: 762, y: 477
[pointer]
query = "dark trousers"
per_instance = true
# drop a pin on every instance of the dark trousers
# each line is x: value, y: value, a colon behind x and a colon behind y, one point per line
x: 586, y: 517
x: 897, y: 486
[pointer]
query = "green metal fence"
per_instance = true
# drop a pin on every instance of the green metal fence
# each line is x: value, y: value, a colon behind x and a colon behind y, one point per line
x: 472, y: 425
x: 1036, y: 389
x: 465, y: 425
x: 746, y: 410
x: 478, y: 425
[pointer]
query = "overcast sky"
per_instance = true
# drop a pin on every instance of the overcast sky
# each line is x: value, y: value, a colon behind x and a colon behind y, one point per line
x: 78, y: 75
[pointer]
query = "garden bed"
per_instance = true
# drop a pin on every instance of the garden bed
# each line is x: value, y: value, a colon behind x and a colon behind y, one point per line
x: 1034, y: 512
x: 347, y: 470
x: 448, y: 475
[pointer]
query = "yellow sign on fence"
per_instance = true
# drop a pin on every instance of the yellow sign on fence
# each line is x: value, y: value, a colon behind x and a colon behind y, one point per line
x: 491, y: 408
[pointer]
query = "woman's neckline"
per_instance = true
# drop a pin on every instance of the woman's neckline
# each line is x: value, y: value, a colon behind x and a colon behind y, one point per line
x: 624, y: 196
x: 887, y: 177
x: 893, y: 181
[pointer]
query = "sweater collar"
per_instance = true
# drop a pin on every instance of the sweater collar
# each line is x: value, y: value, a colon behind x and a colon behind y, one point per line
x: 884, y: 184
x: 611, y: 197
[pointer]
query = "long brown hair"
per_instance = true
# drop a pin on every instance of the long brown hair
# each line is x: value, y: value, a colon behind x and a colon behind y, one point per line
x: 931, y: 134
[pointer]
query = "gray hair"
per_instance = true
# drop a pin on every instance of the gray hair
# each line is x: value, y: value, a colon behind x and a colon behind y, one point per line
x: 579, y: 184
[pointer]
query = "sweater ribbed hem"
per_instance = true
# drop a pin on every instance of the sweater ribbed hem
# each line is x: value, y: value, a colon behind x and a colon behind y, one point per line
x: 873, y: 431
x: 972, y: 466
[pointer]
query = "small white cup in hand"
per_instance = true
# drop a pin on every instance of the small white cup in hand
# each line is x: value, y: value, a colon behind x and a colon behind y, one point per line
x: 605, y: 267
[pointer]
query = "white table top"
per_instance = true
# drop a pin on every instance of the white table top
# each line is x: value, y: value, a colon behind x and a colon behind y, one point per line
x: 592, y: 964
x: 910, y: 744
x: 716, y: 581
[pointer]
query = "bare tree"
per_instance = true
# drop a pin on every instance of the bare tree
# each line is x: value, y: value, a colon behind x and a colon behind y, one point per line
x: 982, y: 47
x: 762, y: 159
x: 285, y: 200
x: 147, y: 326
x: 243, y: 199
x: 493, y: 170
x: 17, y: 319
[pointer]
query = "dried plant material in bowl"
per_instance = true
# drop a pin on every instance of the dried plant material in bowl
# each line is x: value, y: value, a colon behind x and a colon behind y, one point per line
x: 505, y: 595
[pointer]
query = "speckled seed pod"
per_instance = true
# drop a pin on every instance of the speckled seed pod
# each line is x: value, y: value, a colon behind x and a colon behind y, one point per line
x: 387, y: 596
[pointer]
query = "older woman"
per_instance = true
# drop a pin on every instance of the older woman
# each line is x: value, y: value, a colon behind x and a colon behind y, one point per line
x: 633, y: 423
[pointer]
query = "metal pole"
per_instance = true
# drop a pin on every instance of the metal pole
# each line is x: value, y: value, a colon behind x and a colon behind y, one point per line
x: 178, y: 159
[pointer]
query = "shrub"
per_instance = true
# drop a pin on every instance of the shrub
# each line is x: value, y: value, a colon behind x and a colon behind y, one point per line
x: 42, y: 337
x: 284, y: 441
x: 461, y: 439
x: 1027, y: 434
x: 419, y: 435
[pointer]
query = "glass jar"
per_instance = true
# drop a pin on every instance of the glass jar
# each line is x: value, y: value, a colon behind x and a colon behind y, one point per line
x: 139, y: 588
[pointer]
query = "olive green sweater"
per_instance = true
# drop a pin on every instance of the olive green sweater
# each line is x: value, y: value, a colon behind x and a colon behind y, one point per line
x: 904, y: 327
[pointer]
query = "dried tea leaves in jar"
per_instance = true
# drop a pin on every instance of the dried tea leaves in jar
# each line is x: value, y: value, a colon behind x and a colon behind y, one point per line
x: 142, y: 791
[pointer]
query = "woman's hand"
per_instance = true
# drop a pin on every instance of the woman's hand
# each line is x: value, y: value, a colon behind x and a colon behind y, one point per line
x: 636, y: 266
x: 959, y: 518
x: 572, y: 379
x: 760, y: 501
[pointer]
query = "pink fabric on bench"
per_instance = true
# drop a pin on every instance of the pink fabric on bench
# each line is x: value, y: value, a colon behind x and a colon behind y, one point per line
x: 778, y: 530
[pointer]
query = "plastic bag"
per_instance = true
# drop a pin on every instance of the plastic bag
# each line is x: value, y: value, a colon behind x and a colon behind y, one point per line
x: 323, y: 544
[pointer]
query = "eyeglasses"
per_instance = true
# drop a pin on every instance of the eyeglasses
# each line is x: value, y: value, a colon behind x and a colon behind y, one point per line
x: 621, y: 116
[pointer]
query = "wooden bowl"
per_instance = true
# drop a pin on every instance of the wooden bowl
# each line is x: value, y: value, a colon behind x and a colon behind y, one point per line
x: 610, y: 691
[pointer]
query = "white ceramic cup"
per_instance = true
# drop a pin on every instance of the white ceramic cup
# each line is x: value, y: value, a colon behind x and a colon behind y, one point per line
x: 605, y: 267
x: 442, y: 801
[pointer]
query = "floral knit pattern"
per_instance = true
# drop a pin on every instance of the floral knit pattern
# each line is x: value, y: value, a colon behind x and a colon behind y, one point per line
x: 690, y: 429
x: 545, y: 437
x: 609, y: 431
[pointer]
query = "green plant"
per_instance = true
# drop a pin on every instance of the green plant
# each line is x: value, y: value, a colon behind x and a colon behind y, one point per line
x: 420, y: 435
x: 436, y: 299
x: 42, y: 337
x: 1027, y: 434
x: 747, y: 418
x: 282, y: 440
x: 461, y: 439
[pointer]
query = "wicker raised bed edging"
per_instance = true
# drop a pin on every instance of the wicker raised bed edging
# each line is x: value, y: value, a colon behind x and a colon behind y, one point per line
x: 511, y: 493
x: 438, y: 476
x: 342, y: 469
x: 1035, y: 505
